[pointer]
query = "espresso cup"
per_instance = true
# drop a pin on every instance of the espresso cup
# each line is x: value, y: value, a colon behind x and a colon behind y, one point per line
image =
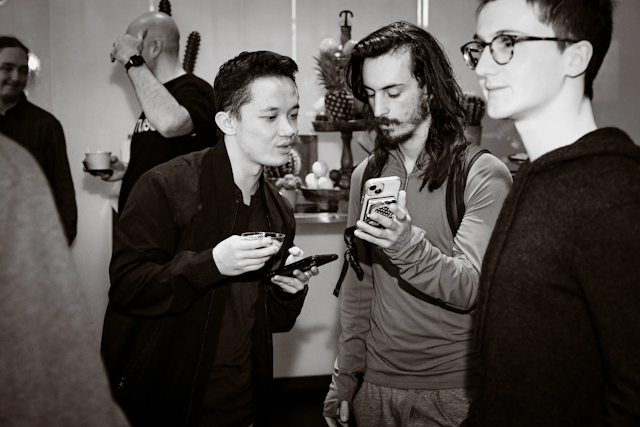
x: 252, y: 235
x: 276, y: 238
x: 98, y: 160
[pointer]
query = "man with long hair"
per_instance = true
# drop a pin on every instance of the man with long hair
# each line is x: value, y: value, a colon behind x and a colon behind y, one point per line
x: 558, y: 312
x: 416, y: 353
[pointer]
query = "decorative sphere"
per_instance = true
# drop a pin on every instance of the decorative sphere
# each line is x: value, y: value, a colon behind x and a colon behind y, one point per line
x: 329, y: 45
x: 324, y: 183
x: 348, y: 47
x: 311, y: 181
x: 319, y: 168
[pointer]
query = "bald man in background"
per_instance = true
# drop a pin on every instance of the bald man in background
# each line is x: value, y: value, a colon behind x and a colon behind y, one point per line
x: 177, y: 108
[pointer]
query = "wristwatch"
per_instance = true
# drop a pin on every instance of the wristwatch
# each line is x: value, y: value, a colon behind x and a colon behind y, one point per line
x: 134, y: 61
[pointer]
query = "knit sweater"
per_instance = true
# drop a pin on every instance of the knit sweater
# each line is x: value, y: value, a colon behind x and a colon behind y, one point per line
x: 559, y: 305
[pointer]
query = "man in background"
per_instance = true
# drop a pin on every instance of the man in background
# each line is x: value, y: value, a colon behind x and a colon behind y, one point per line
x: 408, y: 324
x: 50, y: 367
x: 36, y: 130
x: 187, y: 336
x: 558, y: 319
x: 177, y: 107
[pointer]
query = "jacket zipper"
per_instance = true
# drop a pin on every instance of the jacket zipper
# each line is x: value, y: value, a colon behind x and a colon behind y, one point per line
x: 133, y: 365
x: 206, y: 327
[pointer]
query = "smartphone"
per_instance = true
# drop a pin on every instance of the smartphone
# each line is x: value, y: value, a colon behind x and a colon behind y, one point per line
x: 377, y: 195
x: 303, y: 265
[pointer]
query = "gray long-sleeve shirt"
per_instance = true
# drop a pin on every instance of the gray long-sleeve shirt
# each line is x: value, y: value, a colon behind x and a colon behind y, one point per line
x: 397, y: 339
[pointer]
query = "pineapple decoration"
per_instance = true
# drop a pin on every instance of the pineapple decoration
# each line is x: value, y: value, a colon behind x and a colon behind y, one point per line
x: 338, y: 101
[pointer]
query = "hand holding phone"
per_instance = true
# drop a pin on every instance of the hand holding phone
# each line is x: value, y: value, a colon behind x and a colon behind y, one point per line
x: 378, y: 194
x: 303, y: 265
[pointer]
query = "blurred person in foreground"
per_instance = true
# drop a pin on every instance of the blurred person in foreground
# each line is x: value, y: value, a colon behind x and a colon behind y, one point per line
x: 50, y: 367
x: 187, y: 334
x: 408, y: 323
x: 558, y: 319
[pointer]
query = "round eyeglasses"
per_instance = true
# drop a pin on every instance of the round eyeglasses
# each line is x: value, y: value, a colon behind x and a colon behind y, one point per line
x: 501, y: 48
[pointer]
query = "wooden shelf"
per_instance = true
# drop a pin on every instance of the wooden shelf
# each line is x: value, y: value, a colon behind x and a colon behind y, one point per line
x: 321, y: 218
x: 332, y: 126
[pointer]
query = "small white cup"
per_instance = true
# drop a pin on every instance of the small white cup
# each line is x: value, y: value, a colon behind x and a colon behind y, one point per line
x: 98, y: 160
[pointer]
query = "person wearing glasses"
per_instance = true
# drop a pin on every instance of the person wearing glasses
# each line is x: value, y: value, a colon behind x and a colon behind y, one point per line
x: 408, y: 324
x: 558, y: 318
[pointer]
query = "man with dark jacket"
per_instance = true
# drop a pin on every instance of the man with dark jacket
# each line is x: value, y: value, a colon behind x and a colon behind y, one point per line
x: 558, y: 319
x: 36, y: 130
x: 187, y: 334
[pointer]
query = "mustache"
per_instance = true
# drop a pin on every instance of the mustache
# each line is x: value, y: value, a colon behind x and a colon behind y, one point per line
x: 385, y: 121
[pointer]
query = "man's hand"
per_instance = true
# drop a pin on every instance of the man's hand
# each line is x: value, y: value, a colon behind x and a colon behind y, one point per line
x: 300, y: 279
x: 397, y: 231
x: 118, y: 169
x: 342, y: 416
x: 116, y: 173
x: 126, y: 46
x: 236, y: 255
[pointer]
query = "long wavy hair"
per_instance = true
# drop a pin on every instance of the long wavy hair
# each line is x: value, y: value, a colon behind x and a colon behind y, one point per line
x: 430, y: 65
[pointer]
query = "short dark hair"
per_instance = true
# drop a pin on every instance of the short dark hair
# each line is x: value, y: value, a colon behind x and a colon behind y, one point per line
x: 8, y: 41
x: 231, y: 85
x: 590, y: 20
x: 430, y: 66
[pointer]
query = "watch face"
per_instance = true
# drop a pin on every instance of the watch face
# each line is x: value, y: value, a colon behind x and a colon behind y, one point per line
x: 134, y: 61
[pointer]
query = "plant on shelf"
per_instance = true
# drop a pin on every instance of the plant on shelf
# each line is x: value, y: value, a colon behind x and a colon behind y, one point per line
x: 339, y: 102
x: 288, y: 182
x: 272, y: 173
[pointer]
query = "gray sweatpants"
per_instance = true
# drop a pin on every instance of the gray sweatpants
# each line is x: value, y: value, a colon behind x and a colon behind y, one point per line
x: 379, y: 406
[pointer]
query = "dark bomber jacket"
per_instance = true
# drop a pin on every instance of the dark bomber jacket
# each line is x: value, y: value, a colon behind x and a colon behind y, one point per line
x: 163, y: 318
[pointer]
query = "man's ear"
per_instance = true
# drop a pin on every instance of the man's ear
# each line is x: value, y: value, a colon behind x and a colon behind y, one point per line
x: 226, y: 123
x: 155, y: 47
x: 579, y: 56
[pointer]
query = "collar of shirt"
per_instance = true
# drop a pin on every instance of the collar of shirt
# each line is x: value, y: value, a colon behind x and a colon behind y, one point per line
x: 19, y: 108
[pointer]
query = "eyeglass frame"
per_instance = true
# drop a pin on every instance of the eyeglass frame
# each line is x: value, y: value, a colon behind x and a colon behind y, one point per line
x: 514, y: 40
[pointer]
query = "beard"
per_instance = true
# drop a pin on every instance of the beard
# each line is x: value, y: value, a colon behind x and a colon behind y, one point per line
x: 385, y: 139
x: 11, y: 98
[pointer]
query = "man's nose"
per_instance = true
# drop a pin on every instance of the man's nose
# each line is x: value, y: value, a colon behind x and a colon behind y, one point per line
x: 380, y: 107
x: 14, y: 74
x: 486, y: 64
x: 288, y: 127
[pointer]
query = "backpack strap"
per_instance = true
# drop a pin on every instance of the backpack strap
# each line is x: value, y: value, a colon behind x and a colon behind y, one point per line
x: 456, y: 184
